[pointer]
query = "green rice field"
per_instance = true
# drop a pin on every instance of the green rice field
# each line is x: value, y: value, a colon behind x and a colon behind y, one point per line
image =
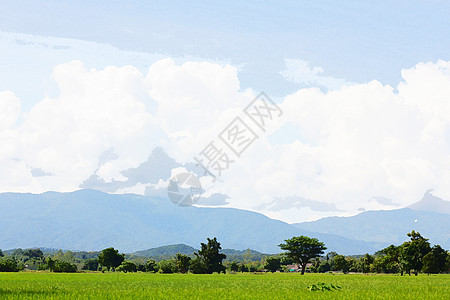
x: 35, y: 285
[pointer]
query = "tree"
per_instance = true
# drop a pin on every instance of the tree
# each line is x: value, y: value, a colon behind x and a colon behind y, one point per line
x: 242, y: 268
x: 340, y: 263
x: 1, y: 253
x: 127, y: 266
x: 413, y: 251
x: 366, y: 261
x: 234, y: 266
x: 182, y: 262
x: 90, y: 264
x: 324, y: 267
x: 435, y: 261
x: 151, y: 266
x: 110, y: 258
x: 33, y: 253
x: 197, y: 266
x: 210, y: 257
x: 50, y: 263
x: 272, y: 264
x: 387, y: 260
x: 167, y: 266
x: 302, y: 249
x: 9, y: 265
x: 64, y: 267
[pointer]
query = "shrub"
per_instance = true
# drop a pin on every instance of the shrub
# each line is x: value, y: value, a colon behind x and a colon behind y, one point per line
x: 9, y: 265
x: 64, y: 267
x: 127, y: 266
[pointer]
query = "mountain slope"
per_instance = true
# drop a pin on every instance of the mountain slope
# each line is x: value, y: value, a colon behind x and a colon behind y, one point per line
x: 389, y: 226
x: 169, y: 250
x: 93, y: 220
x: 431, y: 203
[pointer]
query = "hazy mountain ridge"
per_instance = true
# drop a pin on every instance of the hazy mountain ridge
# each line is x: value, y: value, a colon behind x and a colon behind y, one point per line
x: 92, y: 220
x: 391, y: 225
x: 431, y: 203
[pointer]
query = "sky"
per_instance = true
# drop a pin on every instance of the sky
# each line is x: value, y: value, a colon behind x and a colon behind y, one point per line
x: 119, y: 95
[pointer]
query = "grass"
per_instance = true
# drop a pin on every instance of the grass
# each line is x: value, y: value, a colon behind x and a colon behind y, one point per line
x: 33, y: 285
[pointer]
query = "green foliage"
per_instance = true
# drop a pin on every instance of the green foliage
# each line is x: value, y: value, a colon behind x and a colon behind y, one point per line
x: 366, y: 261
x: 1, y: 253
x: 412, y: 252
x: 110, y: 258
x: 61, y: 266
x: 323, y: 287
x: 435, y: 261
x: 233, y: 266
x: 182, y: 262
x: 151, y: 266
x: 197, y: 266
x: 127, y: 266
x: 387, y: 260
x: 33, y: 253
x: 8, y: 264
x: 90, y: 264
x: 167, y: 266
x: 242, y: 268
x: 340, y: 263
x: 273, y: 264
x: 210, y: 258
x: 302, y: 249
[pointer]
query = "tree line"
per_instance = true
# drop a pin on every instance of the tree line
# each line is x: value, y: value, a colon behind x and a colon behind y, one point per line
x: 413, y: 256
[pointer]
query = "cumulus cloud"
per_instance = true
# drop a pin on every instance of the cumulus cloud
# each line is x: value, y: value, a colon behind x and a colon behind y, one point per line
x: 345, y: 146
x: 357, y: 142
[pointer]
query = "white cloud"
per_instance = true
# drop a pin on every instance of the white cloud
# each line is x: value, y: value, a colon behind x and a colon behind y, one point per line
x: 357, y: 142
x: 195, y: 100
x: 299, y: 71
x: 353, y: 143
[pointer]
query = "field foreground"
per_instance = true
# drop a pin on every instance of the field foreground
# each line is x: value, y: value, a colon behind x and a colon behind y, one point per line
x: 30, y: 285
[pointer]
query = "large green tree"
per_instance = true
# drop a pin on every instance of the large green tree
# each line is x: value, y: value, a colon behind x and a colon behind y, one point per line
x: 435, y: 261
x: 151, y: 266
x: 110, y: 258
x: 272, y: 264
x: 412, y: 252
x: 209, y: 257
x: 387, y: 260
x: 302, y: 249
x: 182, y: 261
x: 366, y: 261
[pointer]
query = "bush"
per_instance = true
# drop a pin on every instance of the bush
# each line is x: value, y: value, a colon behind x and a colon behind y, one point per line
x: 90, y: 264
x: 197, y: 266
x: 233, y: 266
x: 272, y: 264
x: 242, y: 268
x: 151, y: 266
x: 64, y: 267
x: 9, y: 265
x: 167, y: 266
x: 127, y: 266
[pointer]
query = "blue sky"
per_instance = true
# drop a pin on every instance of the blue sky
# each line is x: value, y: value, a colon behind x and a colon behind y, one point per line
x: 355, y: 40
x: 364, y: 86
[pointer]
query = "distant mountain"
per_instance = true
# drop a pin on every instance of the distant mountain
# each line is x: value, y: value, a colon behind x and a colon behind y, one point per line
x: 93, y: 220
x: 167, y: 252
x: 432, y: 203
x: 170, y: 250
x: 389, y: 226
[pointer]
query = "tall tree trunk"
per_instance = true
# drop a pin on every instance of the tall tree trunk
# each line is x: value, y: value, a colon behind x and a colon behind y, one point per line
x: 303, y: 269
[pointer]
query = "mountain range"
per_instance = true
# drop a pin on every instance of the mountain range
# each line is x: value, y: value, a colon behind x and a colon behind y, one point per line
x: 93, y: 220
